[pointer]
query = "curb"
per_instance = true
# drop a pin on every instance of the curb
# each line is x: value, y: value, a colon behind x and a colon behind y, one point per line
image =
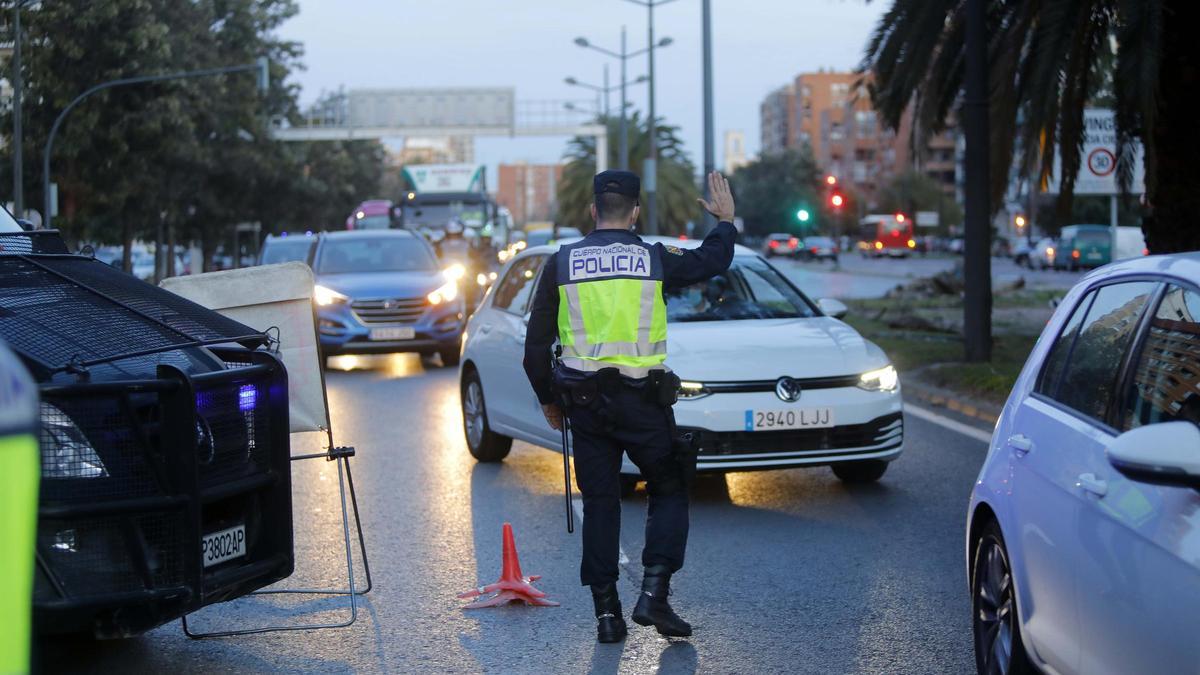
x: 951, y: 400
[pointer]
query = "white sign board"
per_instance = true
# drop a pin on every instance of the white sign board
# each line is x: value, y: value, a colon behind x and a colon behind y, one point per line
x: 434, y: 107
x: 927, y: 218
x: 1098, y: 163
x: 431, y: 178
x: 265, y: 297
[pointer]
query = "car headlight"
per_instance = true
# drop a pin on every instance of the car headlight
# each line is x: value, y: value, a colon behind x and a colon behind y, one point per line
x: 445, y: 293
x: 482, y: 279
x: 455, y: 272
x: 66, y: 452
x: 884, y: 379
x: 327, y: 296
x: 692, y: 390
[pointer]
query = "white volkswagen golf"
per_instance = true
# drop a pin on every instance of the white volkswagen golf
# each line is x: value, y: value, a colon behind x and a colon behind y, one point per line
x: 771, y: 379
x: 1083, y: 535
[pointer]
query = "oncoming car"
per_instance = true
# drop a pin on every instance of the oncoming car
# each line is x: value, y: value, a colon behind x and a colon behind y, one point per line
x: 383, y: 291
x: 771, y: 379
x: 1083, y: 531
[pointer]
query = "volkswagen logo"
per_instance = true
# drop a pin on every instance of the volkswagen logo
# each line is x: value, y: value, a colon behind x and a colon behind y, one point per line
x: 787, y: 389
x: 388, y: 304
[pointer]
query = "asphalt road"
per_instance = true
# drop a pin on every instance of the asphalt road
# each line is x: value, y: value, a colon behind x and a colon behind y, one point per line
x: 788, y: 571
x: 856, y: 277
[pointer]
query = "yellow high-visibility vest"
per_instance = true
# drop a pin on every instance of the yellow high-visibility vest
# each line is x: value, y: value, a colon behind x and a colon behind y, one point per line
x: 19, y: 476
x: 610, y: 307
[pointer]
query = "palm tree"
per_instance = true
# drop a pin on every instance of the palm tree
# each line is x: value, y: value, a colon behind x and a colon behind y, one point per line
x: 1048, y: 60
x: 677, y: 191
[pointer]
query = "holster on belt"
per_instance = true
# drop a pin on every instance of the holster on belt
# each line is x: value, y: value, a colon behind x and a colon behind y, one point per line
x: 592, y: 391
x: 662, y: 388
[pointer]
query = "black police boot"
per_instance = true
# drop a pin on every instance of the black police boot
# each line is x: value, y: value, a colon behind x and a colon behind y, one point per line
x: 652, y: 608
x: 610, y: 625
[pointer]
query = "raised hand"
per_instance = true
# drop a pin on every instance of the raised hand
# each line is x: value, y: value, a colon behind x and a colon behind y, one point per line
x: 721, y: 204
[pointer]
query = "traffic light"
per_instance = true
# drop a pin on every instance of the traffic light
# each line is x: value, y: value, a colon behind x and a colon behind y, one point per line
x: 803, y: 215
x: 899, y: 217
x: 836, y: 200
x: 831, y: 179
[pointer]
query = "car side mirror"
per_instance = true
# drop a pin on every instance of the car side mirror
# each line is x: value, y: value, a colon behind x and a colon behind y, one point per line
x: 1167, y: 453
x: 835, y: 308
x: 26, y: 225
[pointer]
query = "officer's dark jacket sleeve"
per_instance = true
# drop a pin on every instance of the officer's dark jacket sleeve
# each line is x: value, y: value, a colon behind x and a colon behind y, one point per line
x: 542, y: 332
x: 683, y: 267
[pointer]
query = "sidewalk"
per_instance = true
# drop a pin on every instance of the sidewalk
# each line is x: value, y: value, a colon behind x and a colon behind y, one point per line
x: 974, y: 408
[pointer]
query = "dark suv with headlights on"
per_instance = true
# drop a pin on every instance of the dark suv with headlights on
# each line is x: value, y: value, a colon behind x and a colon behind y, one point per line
x: 382, y: 291
x: 165, y: 480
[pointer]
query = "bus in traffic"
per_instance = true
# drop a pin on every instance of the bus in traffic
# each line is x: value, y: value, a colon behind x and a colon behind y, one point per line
x: 888, y: 235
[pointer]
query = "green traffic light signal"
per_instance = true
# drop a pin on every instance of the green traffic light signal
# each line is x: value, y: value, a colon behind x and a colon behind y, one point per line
x: 803, y: 215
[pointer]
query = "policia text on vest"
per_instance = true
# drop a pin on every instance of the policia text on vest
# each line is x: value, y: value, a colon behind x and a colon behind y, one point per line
x: 601, y: 300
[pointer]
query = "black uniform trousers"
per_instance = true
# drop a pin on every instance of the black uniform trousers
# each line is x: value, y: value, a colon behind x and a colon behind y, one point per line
x: 641, y: 428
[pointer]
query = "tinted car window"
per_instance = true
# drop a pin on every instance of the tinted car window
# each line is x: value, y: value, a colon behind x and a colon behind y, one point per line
x: 514, y: 290
x: 1166, y: 383
x: 1057, y: 358
x: 286, y: 250
x: 1089, y: 371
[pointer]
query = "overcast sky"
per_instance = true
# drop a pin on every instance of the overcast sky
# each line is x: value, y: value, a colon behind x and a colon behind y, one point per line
x: 758, y: 45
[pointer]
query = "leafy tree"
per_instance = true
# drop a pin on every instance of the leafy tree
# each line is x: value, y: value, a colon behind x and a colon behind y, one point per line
x: 677, y: 191
x: 771, y: 190
x: 914, y: 191
x: 193, y: 156
x: 1048, y: 61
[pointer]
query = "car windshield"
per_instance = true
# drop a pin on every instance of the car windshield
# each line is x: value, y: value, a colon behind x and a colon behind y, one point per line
x: 1092, y: 237
x: 377, y: 222
x: 749, y: 289
x: 374, y: 254
x: 286, y: 250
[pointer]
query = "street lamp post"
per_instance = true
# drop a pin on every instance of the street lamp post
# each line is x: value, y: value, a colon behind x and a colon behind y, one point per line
x: 603, y: 90
x: 709, y: 151
x: 650, y: 177
x: 261, y: 65
x: 623, y: 56
x: 17, y: 84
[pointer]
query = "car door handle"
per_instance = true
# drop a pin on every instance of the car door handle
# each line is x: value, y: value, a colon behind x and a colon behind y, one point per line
x: 1089, y: 483
x: 1021, y: 443
x: 485, y: 328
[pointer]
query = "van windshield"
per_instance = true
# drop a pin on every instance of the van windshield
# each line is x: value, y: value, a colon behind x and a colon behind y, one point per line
x: 1092, y: 237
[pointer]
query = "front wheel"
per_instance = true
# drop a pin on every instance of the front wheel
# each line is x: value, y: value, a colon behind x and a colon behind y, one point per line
x: 998, y: 646
x: 484, y: 444
x: 862, y: 471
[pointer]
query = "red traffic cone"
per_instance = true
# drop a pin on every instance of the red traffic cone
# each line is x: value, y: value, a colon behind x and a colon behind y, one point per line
x: 512, y: 586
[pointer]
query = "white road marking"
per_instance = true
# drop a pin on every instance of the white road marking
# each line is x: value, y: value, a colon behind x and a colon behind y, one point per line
x: 953, y: 425
x: 577, y: 503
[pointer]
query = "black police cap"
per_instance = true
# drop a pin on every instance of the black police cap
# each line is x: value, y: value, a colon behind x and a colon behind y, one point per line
x: 621, y: 182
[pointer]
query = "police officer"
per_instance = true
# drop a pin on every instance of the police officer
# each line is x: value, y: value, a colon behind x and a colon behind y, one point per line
x: 20, y: 475
x: 602, y: 300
